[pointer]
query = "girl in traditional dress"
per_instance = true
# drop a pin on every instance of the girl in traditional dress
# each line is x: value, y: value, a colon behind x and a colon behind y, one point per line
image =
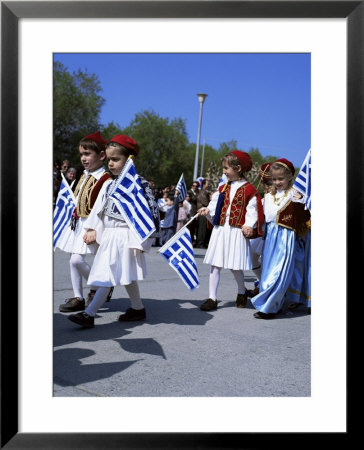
x: 237, y: 214
x: 120, y: 258
x: 285, y: 218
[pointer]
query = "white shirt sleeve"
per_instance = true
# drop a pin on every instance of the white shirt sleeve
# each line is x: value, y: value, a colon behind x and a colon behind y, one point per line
x: 251, y: 215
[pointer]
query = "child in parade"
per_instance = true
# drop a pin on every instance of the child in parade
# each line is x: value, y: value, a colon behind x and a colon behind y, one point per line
x: 256, y: 245
x: 92, y: 155
x: 120, y: 258
x: 237, y: 214
x: 182, y: 216
x: 286, y: 219
x: 169, y: 223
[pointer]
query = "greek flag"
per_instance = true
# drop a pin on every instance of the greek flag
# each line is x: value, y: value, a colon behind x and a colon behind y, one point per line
x: 182, y: 189
x: 302, y: 182
x: 65, y: 205
x: 223, y: 180
x: 131, y: 201
x: 178, y: 251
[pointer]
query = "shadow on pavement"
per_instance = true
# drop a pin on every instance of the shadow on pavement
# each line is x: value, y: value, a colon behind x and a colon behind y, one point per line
x: 176, y: 311
x: 65, y: 332
x: 72, y: 372
x: 149, y: 346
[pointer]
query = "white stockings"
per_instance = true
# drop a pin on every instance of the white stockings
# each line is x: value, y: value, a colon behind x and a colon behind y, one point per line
x: 215, y: 279
x: 102, y: 292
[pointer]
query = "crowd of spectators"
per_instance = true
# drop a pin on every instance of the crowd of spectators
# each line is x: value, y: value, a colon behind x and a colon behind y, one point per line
x: 180, y: 213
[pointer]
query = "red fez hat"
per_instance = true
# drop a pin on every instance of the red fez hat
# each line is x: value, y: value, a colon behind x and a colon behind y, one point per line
x: 96, y: 137
x: 244, y: 160
x: 284, y: 162
x: 264, y: 173
x: 126, y: 142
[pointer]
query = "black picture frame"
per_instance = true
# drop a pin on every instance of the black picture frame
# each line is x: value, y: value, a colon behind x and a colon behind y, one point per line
x: 11, y: 12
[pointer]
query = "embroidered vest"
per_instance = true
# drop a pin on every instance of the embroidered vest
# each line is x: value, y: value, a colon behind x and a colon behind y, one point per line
x: 238, y: 207
x: 86, y: 196
x: 294, y: 216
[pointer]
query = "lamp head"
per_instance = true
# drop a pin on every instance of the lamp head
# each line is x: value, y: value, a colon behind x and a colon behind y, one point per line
x: 201, y: 97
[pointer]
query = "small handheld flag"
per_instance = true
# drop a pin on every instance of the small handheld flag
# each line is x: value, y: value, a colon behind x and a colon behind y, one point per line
x: 65, y: 205
x: 181, y: 188
x: 178, y: 251
x: 223, y: 180
x: 131, y: 202
x: 302, y: 182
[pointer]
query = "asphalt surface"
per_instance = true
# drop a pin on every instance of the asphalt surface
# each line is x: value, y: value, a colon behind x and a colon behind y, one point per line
x: 179, y: 350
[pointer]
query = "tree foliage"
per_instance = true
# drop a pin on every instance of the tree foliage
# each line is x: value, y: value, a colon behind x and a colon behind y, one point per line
x: 165, y: 149
x: 76, y: 109
x: 163, y: 144
x: 110, y: 130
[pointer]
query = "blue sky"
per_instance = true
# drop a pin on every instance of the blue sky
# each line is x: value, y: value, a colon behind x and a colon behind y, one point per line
x: 259, y: 100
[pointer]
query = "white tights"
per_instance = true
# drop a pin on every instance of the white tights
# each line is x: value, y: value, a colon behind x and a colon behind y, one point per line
x: 101, y: 293
x: 215, y: 279
x: 79, y: 268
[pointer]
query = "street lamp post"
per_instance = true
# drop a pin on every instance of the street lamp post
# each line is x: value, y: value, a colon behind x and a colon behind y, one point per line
x: 202, y: 157
x: 201, y: 99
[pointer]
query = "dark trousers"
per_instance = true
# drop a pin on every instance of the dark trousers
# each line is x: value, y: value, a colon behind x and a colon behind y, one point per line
x: 166, y: 234
x: 202, y: 236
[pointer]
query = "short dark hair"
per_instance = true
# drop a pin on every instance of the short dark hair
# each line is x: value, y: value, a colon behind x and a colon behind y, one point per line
x: 89, y: 144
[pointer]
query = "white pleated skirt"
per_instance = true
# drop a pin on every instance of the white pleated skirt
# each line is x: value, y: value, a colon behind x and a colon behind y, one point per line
x: 228, y: 249
x: 71, y: 241
x: 115, y: 263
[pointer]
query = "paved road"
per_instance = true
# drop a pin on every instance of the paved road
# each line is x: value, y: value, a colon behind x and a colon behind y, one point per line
x: 179, y: 350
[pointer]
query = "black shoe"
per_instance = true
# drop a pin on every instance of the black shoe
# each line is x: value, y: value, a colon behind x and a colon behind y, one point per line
x: 241, y: 300
x: 73, y: 304
x: 252, y: 293
x: 293, y: 305
x: 132, y: 315
x: 82, y: 319
x: 260, y: 315
x: 209, y: 305
x: 90, y: 297
x: 108, y: 298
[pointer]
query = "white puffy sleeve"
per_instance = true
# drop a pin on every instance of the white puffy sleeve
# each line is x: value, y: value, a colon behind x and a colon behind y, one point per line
x: 251, y: 215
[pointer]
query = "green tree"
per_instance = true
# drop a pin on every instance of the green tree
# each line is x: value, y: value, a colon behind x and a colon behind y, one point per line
x: 110, y: 130
x: 163, y: 147
x: 226, y: 147
x: 76, y: 109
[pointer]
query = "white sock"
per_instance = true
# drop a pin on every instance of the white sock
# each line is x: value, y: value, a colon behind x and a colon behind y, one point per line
x: 98, y: 300
x: 133, y: 291
x: 214, y: 281
x: 79, y: 268
x: 239, y: 278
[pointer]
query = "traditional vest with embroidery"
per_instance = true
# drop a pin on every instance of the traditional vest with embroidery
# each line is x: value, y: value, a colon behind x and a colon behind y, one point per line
x: 294, y: 216
x: 86, y: 196
x: 238, y: 207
